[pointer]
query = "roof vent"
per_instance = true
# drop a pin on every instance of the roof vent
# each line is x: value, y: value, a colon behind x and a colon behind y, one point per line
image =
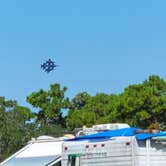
x: 45, y: 137
x: 110, y: 126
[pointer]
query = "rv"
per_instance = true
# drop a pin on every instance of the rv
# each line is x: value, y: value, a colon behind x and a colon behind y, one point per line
x: 121, y: 147
x: 46, y: 150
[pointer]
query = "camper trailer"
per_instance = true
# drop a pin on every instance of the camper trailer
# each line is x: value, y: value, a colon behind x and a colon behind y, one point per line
x: 46, y: 150
x: 121, y: 147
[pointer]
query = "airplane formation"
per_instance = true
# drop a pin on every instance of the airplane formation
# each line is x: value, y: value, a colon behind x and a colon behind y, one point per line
x: 48, y: 66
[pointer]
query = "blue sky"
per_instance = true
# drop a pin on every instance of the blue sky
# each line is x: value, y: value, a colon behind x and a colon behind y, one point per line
x: 101, y: 46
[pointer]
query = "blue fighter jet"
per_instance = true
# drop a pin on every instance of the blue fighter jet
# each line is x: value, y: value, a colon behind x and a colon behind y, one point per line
x: 48, y: 66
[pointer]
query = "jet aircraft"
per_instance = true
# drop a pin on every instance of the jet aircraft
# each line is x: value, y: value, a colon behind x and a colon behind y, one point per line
x: 48, y: 66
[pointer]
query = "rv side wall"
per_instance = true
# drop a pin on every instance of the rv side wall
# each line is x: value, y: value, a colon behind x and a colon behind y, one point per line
x: 119, y: 151
x: 112, y: 152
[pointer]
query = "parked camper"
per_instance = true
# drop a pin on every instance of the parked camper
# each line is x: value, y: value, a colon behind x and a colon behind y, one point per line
x: 122, y: 147
x: 46, y: 150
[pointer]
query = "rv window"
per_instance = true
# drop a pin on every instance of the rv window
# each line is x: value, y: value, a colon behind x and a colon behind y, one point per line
x: 158, y: 144
x: 141, y: 143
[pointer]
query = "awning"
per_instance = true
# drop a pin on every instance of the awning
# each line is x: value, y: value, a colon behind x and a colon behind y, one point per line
x: 43, y: 151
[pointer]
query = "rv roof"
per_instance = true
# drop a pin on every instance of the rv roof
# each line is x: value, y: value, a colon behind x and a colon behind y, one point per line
x: 121, y: 132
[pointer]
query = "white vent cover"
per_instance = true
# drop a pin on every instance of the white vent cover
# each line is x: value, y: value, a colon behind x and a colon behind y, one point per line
x: 110, y: 126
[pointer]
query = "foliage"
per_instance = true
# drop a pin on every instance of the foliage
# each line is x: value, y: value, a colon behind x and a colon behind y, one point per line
x: 15, y: 130
x: 92, y: 110
x: 144, y: 104
x: 49, y: 119
x: 139, y: 105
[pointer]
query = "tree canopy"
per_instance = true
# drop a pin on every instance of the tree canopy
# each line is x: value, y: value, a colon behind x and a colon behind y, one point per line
x: 141, y: 105
x: 15, y: 130
x: 50, y: 103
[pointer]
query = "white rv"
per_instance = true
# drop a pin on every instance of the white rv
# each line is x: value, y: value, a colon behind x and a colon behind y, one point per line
x: 46, y: 150
x: 122, y: 147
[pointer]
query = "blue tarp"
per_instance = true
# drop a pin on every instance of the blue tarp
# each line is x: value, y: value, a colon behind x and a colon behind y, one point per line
x: 144, y: 136
x: 120, y: 132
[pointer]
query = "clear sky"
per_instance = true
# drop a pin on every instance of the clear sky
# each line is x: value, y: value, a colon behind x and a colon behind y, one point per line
x: 100, y: 45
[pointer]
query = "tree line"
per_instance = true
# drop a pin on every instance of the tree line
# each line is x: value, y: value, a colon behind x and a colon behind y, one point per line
x: 141, y: 105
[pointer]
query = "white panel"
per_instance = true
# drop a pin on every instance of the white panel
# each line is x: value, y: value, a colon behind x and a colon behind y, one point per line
x: 42, y: 149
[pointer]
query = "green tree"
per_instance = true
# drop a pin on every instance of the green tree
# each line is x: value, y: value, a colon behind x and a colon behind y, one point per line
x: 144, y: 104
x: 88, y: 110
x: 50, y: 104
x: 15, y: 130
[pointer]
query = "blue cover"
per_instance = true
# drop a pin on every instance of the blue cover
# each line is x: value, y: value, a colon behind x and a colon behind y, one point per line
x: 149, y: 135
x: 120, y: 132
